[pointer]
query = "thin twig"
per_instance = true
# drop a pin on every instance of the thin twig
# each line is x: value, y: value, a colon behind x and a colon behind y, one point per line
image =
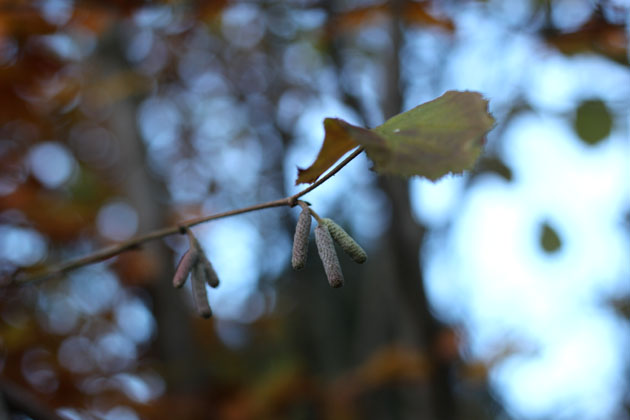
x: 179, y: 228
x: 336, y: 169
x: 315, y: 215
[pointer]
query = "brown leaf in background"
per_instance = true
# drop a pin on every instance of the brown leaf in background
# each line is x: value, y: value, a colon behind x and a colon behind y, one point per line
x: 389, y: 364
x: 596, y: 35
x: 60, y: 219
x: 117, y: 87
x: 413, y: 13
x: 138, y: 267
x: 416, y: 13
x: 22, y: 20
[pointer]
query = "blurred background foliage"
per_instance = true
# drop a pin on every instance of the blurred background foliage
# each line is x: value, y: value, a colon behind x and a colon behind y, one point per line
x: 500, y: 294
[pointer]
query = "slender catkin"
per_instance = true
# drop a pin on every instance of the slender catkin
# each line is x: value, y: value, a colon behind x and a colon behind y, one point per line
x: 200, y: 295
x: 185, y: 265
x: 328, y: 255
x: 300, y: 240
x: 209, y: 273
x: 345, y: 241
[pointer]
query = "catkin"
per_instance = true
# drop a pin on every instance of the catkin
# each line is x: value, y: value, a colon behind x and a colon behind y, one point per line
x: 345, y: 241
x: 300, y: 240
x: 328, y: 255
x: 200, y: 295
x: 210, y: 275
x: 185, y: 265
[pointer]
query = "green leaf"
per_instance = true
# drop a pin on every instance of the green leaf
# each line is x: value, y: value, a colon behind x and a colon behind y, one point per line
x: 442, y: 136
x: 439, y: 137
x: 593, y: 121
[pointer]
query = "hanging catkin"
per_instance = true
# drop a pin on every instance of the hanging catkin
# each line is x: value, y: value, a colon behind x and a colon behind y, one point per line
x: 200, y: 295
x: 300, y: 239
x: 345, y: 241
x: 328, y: 255
x: 209, y: 274
x: 185, y: 265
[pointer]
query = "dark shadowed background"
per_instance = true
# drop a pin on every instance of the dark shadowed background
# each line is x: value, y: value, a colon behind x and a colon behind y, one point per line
x: 500, y: 294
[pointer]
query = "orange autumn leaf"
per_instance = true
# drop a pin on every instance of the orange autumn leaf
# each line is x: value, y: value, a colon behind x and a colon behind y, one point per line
x: 337, y: 142
x: 412, y: 13
x: 417, y: 14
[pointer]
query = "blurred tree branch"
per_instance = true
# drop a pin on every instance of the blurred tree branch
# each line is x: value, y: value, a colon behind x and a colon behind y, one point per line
x: 405, y: 238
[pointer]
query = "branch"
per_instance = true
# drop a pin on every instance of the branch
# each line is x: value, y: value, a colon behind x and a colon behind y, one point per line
x: 180, y: 228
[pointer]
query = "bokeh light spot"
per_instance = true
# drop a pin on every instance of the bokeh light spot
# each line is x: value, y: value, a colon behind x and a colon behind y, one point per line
x: 38, y: 370
x: 51, y: 163
x: 57, y: 12
x: 21, y: 246
x: 141, y: 388
x: 120, y: 413
x: 76, y: 354
x: 93, y: 290
x: 117, y: 221
x: 135, y: 320
x: 243, y: 25
x: 115, y: 352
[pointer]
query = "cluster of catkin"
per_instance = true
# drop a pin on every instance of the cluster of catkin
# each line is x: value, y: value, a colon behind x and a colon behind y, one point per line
x: 194, y: 260
x: 325, y: 232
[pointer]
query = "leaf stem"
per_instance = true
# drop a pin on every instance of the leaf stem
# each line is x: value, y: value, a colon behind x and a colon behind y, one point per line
x: 180, y: 228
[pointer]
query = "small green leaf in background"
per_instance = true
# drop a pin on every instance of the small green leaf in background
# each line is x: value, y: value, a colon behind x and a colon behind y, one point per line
x: 549, y: 239
x: 492, y: 164
x: 442, y: 136
x: 593, y: 121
